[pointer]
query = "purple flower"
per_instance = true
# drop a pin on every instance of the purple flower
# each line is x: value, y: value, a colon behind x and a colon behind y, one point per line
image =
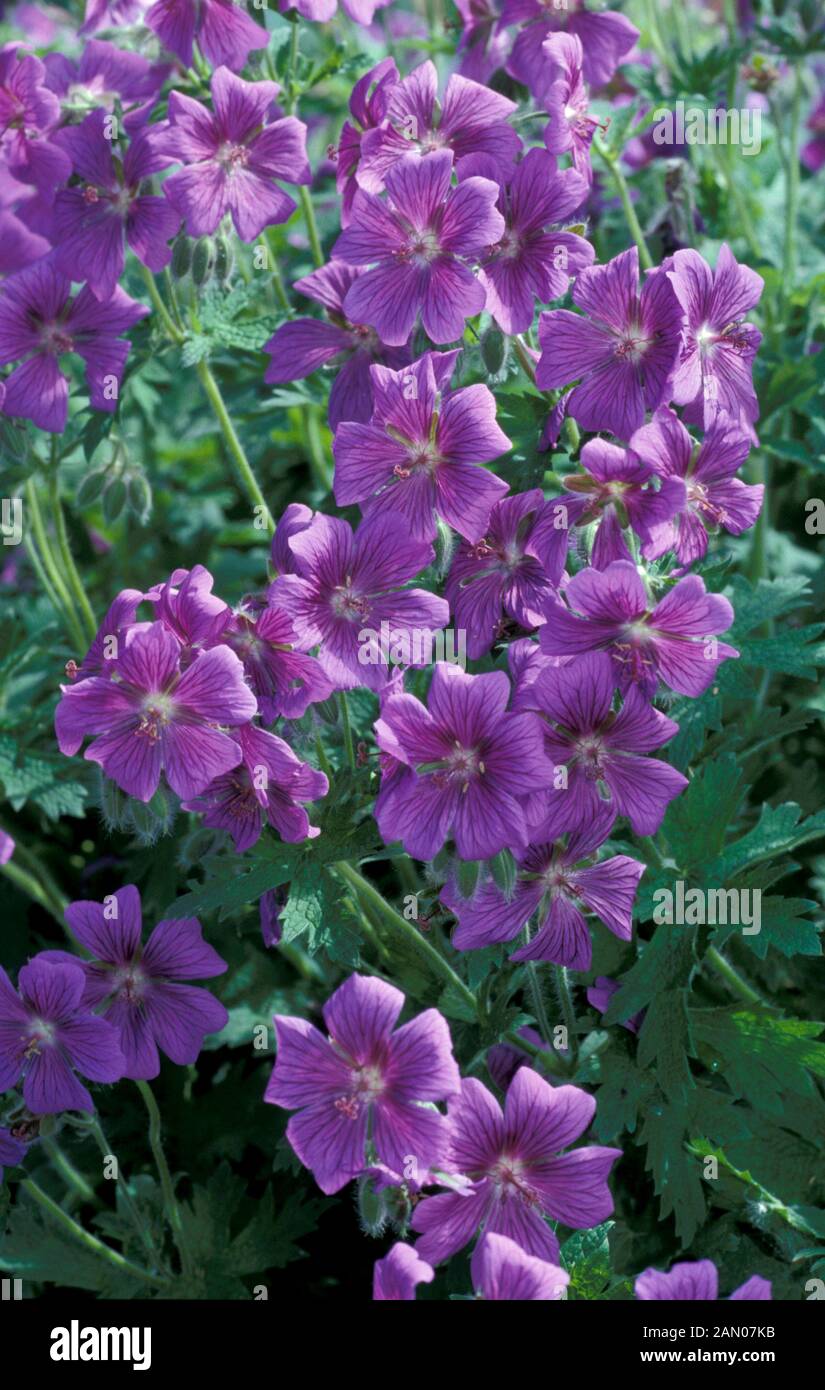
x: 471, y: 764
x: 418, y: 457
x: 696, y: 1281
x: 150, y: 717
x: 368, y: 107
x: 233, y: 156
x: 396, y: 1276
x: 483, y: 50
x: 600, y: 748
x: 533, y: 260
x: 571, y: 128
x: 40, y: 322
x: 296, y: 517
x: 673, y: 640
x: 137, y: 987
x: 101, y: 658
x: 270, y: 908
x: 714, y: 498
x: 623, y: 353
x: 715, y: 371
x: 504, y: 1059
x: 510, y: 575
x: 502, y: 1270
x: 606, y: 38
x: 555, y: 881
x: 106, y: 76
x: 189, y: 610
x: 421, y: 240
x: 301, y: 346
x: 19, y: 247
x: 107, y: 207
x: 112, y: 13
x: 285, y: 679
x: 366, y: 1093
x: 12, y: 1151
x: 225, y: 32
x: 616, y: 490
x: 6, y: 847
x: 47, y: 1034
x: 28, y: 112
x: 469, y: 120
x: 519, y: 1176
x: 600, y: 993
x: 347, y: 596
x: 319, y: 11
x: 267, y: 786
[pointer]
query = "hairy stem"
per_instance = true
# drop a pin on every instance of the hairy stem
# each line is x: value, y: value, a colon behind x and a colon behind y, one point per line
x: 170, y: 1201
x: 86, y: 1239
x: 246, y: 476
x: 365, y: 891
x: 634, y: 226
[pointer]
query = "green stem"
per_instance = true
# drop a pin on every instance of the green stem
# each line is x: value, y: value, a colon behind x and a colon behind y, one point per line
x: 368, y: 894
x: 792, y: 190
x: 22, y: 879
x: 537, y: 998
x: 85, y: 1238
x: 634, y: 226
x: 524, y: 358
x: 311, y: 225
x: 347, y: 729
x: 317, y: 457
x: 74, y: 581
x: 43, y: 545
x: 168, y: 322
x: 69, y: 1173
x: 169, y: 1199
x: 96, y: 1130
x: 739, y: 985
x: 567, y: 1010
x: 323, y: 760
x: 249, y: 482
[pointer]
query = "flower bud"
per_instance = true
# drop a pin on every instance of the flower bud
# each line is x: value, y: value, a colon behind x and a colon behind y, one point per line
x: 203, y: 260
x: 181, y: 256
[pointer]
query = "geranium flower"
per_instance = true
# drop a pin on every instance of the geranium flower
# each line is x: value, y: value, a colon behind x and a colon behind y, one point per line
x: 715, y: 372
x: 469, y: 120
x: 471, y: 764
x: 225, y: 33
x: 673, y: 640
x: 48, y: 1034
x: 150, y: 717
x: 419, y: 244
x: 502, y: 1271
x: 107, y: 208
x: 397, y: 1275
x: 556, y: 881
x: 694, y: 1281
x: 419, y: 456
x: 300, y: 346
x: 622, y: 354
x: 519, y: 1175
x: 40, y: 323
x: 137, y: 987
x: 366, y: 1093
x: 616, y: 491
x: 606, y: 38
x: 233, y: 157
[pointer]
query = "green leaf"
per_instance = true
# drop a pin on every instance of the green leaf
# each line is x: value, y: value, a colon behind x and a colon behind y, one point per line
x: 696, y: 822
x: 666, y: 962
x: 778, y: 831
x: 623, y: 1091
x: 784, y: 924
x: 586, y: 1257
x: 237, y: 884
x: 764, y: 1056
x: 35, y: 1249
x: 314, y: 911
x: 676, y: 1174
x: 665, y: 1042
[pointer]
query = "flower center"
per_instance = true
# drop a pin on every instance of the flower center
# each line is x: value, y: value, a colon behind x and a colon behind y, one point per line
x: 56, y: 340
x: 130, y: 983
x: 231, y: 156
x: 347, y: 604
x: 41, y: 1034
x: 156, y: 712
x: 366, y: 1085
x: 508, y: 1174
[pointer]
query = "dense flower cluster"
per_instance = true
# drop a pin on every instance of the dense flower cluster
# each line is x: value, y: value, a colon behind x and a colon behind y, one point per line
x: 577, y: 604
